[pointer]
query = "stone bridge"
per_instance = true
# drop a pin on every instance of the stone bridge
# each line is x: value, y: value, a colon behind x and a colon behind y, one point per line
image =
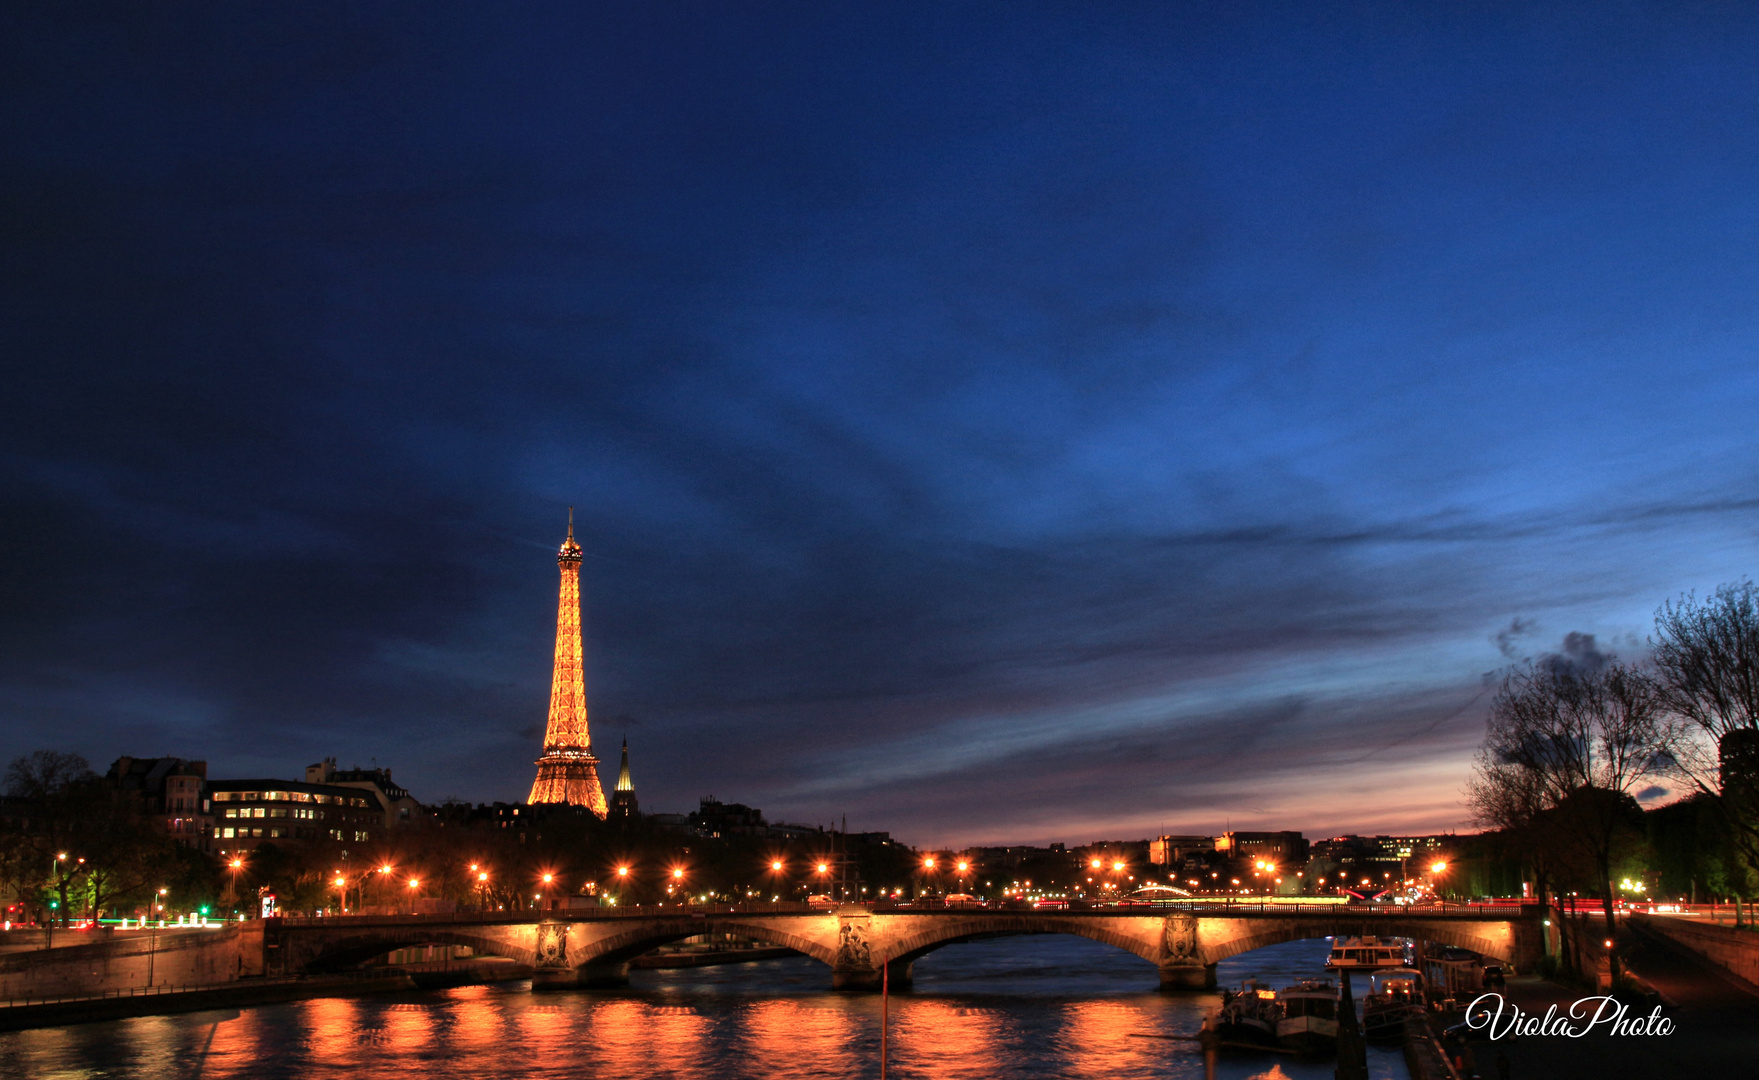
x: 858, y: 943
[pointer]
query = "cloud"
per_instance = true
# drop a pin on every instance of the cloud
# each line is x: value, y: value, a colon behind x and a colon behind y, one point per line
x: 935, y: 440
x: 1506, y: 638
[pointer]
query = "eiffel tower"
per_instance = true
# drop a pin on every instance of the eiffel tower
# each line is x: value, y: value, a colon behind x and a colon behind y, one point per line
x: 568, y: 773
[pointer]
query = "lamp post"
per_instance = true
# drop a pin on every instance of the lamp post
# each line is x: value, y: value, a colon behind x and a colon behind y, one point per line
x: 234, y: 866
x: 152, y: 938
x: 55, y: 875
x: 778, y: 874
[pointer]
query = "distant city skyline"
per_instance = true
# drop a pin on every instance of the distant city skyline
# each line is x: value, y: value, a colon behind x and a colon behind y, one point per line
x: 998, y: 426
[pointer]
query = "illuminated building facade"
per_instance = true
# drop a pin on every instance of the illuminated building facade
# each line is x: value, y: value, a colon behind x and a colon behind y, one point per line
x: 568, y: 772
x: 246, y: 813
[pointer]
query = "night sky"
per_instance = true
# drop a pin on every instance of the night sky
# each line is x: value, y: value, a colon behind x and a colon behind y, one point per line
x: 996, y: 423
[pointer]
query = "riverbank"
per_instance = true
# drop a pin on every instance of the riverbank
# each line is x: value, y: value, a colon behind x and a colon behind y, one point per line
x: 1715, y: 1018
x: 245, y: 993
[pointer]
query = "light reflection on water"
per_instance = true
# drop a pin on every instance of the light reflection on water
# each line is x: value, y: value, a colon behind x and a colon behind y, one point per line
x: 1010, y: 1007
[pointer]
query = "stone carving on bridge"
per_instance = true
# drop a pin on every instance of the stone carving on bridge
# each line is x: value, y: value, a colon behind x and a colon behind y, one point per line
x: 552, y: 945
x: 852, y: 948
x: 1179, y: 938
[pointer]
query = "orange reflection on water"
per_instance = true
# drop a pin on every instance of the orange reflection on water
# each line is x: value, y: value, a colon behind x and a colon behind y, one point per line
x: 406, y: 1033
x: 339, y: 1036
x: 479, y: 1022
x: 791, y: 1038
x: 1104, y: 1038
x: 634, y: 1038
x: 947, y: 1040
x: 237, y: 1044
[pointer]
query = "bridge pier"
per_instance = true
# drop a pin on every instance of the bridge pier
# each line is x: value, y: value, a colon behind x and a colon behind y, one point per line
x: 868, y: 979
x: 1187, y: 977
x: 587, y: 976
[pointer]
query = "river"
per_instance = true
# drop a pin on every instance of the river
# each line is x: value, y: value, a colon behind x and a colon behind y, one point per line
x: 1021, y: 1007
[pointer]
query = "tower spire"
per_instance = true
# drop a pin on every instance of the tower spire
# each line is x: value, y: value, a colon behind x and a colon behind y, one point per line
x: 568, y: 772
x: 623, y: 804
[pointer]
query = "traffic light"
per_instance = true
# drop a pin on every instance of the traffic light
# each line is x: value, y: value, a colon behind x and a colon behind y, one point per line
x: 204, y: 909
x: 53, y: 904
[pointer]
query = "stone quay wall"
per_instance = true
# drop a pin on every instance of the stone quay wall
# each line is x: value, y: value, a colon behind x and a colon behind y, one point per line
x: 108, y: 960
x: 1736, y: 950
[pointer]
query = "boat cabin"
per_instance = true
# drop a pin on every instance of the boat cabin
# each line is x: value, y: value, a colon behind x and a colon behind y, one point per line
x: 1368, y: 953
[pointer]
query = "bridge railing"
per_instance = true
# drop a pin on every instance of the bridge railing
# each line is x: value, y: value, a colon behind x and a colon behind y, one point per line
x: 620, y: 911
x: 1218, y: 905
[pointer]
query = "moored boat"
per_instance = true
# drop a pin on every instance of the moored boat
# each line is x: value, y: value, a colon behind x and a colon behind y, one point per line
x: 1367, y: 953
x: 1395, y: 994
x: 1309, y: 1021
x: 1246, y: 1019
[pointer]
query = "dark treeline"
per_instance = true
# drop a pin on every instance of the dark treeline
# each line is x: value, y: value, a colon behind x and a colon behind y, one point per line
x: 1575, y: 738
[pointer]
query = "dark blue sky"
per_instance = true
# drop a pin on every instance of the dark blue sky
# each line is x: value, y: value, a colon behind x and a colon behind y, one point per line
x: 993, y: 422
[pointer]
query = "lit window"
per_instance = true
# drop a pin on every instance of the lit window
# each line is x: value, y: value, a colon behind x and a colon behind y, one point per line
x: 226, y: 833
x: 231, y: 811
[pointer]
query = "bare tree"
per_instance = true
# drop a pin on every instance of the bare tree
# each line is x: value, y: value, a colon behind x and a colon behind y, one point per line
x: 1707, y: 658
x: 1564, y: 748
x: 47, y: 783
x: 78, y: 835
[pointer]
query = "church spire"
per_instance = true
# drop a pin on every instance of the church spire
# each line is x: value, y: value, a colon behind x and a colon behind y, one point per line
x: 623, y: 805
x: 623, y: 782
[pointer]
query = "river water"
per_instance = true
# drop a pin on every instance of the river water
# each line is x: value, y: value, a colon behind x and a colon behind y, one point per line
x: 1048, y: 1006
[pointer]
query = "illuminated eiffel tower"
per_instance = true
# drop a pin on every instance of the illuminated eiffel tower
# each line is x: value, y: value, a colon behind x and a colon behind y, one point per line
x: 568, y: 773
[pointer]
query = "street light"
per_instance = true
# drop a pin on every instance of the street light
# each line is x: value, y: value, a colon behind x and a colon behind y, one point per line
x: 235, y: 866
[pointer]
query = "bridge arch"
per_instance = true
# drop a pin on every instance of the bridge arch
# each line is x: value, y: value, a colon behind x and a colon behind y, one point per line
x: 627, y: 943
x: 1219, y: 943
x: 918, y: 942
x: 352, y: 950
